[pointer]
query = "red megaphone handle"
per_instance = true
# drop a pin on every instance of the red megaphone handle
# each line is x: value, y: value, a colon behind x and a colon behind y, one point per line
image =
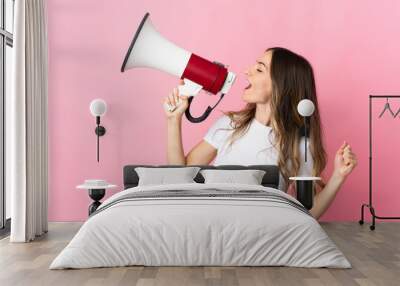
x: 205, y: 114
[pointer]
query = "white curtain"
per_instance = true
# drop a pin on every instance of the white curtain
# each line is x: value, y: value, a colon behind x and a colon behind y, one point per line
x: 26, y: 123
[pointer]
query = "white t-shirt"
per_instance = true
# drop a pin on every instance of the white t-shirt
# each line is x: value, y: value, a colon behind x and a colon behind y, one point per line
x: 255, y: 147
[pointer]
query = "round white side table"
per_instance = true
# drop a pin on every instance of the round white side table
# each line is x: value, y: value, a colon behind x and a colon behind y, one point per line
x: 97, y: 190
x: 304, y: 190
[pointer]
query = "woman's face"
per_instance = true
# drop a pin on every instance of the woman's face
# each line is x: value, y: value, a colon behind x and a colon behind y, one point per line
x: 260, y: 85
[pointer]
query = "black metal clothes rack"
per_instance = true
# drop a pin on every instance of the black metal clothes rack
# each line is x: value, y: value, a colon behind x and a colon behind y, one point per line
x: 370, y: 204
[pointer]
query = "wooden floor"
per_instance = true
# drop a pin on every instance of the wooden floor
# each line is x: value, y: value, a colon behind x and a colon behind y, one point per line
x: 375, y: 256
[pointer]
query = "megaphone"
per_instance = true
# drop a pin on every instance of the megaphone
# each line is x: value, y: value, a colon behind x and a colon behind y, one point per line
x: 150, y: 49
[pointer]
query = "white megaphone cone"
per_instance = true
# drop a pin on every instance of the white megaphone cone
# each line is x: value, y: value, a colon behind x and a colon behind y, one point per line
x: 150, y: 49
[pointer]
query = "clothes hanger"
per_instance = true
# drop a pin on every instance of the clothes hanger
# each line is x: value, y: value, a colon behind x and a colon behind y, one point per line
x: 387, y: 106
x: 398, y: 111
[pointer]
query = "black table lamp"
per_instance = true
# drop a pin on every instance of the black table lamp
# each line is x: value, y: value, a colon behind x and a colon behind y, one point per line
x: 304, y: 184
x: 98, y: 108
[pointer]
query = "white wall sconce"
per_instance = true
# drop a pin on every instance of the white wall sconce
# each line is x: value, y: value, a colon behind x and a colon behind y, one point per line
x: 305, y: 184
x: 98, y: 108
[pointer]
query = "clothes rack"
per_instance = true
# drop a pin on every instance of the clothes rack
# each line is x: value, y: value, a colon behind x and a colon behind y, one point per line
x: 370, y: 202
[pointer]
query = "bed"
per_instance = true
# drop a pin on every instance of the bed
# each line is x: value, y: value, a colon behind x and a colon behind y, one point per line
x: 198, y: 224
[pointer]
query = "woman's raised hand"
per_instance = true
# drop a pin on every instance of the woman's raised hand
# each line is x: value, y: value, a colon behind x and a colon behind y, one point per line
x: 179, y: 103
x: 345, y: 160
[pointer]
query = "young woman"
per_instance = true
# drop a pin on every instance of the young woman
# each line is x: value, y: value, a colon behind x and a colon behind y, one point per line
x: 267, y: 130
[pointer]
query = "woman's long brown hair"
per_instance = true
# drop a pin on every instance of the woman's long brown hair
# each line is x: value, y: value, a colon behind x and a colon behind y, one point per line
x: 292, y: 80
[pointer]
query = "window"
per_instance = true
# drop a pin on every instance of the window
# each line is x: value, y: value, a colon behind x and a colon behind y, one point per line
x: 6, y: 61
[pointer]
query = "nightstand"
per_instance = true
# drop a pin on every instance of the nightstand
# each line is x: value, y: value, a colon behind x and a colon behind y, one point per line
x: 96, y: 190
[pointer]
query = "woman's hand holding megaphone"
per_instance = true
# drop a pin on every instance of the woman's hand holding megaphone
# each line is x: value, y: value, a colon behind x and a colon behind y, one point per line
x: 175, y: 105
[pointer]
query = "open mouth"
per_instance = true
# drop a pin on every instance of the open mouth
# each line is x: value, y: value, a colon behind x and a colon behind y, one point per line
x: 248, y: 86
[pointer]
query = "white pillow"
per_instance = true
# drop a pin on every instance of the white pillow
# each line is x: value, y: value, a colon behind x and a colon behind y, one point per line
x: 162, y: 176
x: 248, y: 177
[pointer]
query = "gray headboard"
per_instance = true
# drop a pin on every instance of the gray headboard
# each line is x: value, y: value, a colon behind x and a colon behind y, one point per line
x: 270, y: 179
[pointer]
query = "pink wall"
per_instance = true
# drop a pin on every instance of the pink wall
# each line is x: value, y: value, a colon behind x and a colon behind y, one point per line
x: 353, y: 46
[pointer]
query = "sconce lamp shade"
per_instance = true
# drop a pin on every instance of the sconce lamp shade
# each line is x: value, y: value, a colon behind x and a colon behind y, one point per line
x: 98, y: 107
x: 306, y: 107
